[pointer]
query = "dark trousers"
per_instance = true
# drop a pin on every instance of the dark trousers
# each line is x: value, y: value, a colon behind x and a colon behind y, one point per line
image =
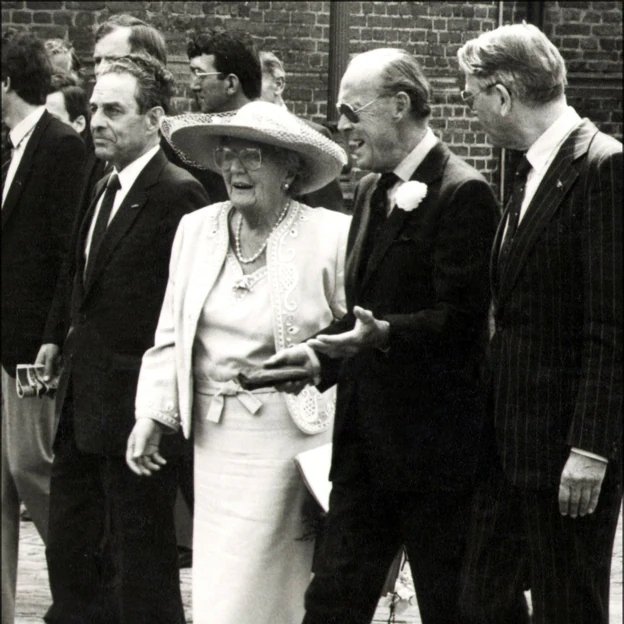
x: 364, y: 532
x: 111, y: 553
x: 518, y: 539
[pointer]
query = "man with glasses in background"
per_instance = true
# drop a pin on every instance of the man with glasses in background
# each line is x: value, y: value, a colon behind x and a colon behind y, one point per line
x: 407, y: 355
x: 226, y: 73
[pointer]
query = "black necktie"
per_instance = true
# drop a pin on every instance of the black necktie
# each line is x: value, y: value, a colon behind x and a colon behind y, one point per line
x: 99, y: 231
x: 378, y: 212
x: 7, y: 155
x: 513, y: 210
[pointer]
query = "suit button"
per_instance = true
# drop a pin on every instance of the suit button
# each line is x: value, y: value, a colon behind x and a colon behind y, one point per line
x: 83, y: 318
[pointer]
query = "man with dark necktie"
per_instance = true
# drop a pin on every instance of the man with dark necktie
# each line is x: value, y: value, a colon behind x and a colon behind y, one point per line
x: 407, y: 355
x: 105, y: 316
x: 43, y: 160
x: 550, y: 488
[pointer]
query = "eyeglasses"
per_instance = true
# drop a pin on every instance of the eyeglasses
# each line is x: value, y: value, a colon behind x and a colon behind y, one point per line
x: 469, y: 97
x: 196, y: 72
x: 249, y: 157
x: 352, y: 113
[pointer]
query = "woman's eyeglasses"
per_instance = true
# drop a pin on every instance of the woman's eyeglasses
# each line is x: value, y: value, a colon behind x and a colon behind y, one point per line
x: 352, y: 113
x: 249, y: 157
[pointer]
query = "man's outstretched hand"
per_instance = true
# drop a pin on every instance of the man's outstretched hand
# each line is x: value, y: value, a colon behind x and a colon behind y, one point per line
x: 368, y: 333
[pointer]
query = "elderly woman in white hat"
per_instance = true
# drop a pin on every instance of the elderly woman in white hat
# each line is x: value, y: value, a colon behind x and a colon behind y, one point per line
x: 248, y: 277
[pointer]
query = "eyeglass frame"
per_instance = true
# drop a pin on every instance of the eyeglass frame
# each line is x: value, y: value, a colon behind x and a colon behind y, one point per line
x: 468, y: 97
x: 197, y: 73
x: 352, y: 114
x: 239, y: 157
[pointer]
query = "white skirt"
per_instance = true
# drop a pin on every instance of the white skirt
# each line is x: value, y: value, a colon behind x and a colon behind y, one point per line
x: 249, y: 567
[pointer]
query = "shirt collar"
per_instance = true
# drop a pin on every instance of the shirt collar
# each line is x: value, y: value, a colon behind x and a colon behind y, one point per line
x: 540, y: 153
x: 129, y: 174
x: 405, y: 169
x: 25, y: 127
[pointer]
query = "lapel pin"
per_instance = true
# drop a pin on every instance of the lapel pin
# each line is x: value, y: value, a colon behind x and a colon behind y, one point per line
x: 559, y: 184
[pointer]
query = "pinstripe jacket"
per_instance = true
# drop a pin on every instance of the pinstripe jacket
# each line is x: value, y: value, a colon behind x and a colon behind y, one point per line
x: 556, y: 354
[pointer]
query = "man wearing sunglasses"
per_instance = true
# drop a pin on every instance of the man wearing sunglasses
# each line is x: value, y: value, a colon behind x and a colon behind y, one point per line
x: 549, y: 497
x: 407, y: 355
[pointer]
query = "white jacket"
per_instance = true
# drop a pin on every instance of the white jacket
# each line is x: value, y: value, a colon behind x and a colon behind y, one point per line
x: 305, y: 264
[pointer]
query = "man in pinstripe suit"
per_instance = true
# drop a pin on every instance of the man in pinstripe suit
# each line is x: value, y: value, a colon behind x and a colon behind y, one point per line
x: 546, y: 511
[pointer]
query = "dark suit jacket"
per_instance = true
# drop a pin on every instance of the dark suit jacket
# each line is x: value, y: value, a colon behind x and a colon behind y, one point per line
x: 412, y: 416
x: 557, y: 351
x: 37, y: 219
x: 113, y: 316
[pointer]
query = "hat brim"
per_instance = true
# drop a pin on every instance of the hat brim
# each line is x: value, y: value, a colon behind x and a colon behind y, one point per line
x: 195, y: 137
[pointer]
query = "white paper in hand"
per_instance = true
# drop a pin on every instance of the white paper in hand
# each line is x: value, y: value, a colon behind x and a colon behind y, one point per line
x: 314, y: 468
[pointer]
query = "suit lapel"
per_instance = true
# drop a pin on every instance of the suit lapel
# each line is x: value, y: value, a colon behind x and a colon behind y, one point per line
x: 23, y: 171
x: 554, y: 187
x: 427, y: 172
x: 126, y: 215
x: 362, y: 215
x: 206, y: 264
x: 498, y: 237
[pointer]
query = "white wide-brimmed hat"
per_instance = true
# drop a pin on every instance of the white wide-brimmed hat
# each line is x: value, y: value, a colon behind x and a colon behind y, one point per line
x: 194, y: 137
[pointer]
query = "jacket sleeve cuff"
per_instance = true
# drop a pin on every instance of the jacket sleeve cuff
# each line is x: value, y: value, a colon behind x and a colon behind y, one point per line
x: 169, y: 420
x: 579, y: 451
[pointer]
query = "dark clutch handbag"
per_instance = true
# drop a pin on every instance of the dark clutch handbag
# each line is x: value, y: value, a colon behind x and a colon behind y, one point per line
x: 252, y: 378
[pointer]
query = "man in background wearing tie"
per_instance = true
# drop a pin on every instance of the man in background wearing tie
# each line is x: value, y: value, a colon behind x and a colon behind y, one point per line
x: 547, y: 506
x: 105, y: 316
x: 407, y: 355
x: 40, y: 190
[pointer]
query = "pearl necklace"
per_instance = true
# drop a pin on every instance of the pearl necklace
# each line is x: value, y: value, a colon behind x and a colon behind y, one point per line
x: 237, y: 238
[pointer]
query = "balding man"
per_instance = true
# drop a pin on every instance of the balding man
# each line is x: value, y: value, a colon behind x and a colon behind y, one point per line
x: 406, y: 357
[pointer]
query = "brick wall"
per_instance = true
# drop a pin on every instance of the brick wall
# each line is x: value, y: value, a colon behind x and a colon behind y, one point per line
x: 589, y: 35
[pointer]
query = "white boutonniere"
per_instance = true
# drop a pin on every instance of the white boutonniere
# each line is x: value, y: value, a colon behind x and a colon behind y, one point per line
x: 410, y: 194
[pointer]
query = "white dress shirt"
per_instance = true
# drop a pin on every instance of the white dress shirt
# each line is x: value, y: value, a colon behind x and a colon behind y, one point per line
x: 541, y: 154
x: 405, y: 169
x: 127, y: 177
x: 19, y: 138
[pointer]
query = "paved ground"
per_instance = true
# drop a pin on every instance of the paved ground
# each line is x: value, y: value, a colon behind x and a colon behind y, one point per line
x: 33, y: 595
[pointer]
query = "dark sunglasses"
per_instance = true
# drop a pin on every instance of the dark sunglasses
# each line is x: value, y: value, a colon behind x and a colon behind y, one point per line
x: 352, y: 113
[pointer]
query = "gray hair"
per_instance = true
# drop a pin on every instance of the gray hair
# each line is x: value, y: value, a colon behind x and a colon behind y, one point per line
x: 271, y: 64
x: 155, y: 82
x: 400, y: 71
x: 520, y: 57
x: 293, y: 164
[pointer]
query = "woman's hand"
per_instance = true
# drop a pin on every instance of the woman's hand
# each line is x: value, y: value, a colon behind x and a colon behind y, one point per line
x: 298, y: 355
x: 142, y: 454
